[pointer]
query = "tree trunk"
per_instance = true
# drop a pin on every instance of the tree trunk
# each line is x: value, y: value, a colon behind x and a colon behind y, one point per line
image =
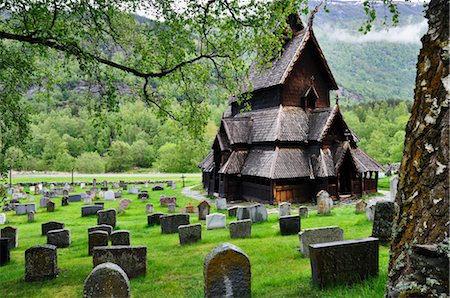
x: 418, y: 265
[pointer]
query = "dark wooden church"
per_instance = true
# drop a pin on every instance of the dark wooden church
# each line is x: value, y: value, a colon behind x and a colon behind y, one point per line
x: 291, y: 144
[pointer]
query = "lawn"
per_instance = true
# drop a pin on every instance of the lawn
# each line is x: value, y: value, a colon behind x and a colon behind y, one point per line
x: 278, y: 269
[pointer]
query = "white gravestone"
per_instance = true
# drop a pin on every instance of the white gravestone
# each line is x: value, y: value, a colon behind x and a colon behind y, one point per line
x: 216, y: 221
x: 284, y: 209
x: 221, y: 204
x: 2, y: 218
x: 109, y: 196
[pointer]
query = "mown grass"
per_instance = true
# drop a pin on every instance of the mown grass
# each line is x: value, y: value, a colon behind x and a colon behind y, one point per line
x: 278, y: 269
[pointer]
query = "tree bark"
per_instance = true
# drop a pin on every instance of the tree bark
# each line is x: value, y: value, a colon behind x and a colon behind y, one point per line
x: 418, y: 264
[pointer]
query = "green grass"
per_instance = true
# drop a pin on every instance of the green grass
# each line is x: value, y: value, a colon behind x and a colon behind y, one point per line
x: 384, y: 183
x: 278, y: 269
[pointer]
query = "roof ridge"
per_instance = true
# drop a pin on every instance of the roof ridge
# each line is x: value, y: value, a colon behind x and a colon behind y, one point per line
x: 274, y: 162
x: 298, y: 51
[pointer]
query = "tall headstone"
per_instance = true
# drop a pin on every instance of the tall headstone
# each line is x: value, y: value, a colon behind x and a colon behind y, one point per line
x: 97, y: 238
x: 65, y: 201
x: 289, y: 224
x: 107, y: 280
x: 50, y: 206
x: 324, y: 202
x: 383, y: 220
x: 190, y: 233
x: 2, y: 218
x: 12, y: 234
x: 203, y: 210
x: 393, y: 184
x: 121, y: 237
x: 227, y: 273
x: 303, y: 211
x: 370, y: 212
x: 4, y: 251
x: 107, y: 217
x: 41, y: 262
x: 284, y: 209
x: 31, y: 216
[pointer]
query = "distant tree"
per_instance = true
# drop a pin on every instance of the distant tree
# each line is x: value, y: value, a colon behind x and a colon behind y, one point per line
x: 143, y: 154
x: 90, y: 163
x: 119, y: 157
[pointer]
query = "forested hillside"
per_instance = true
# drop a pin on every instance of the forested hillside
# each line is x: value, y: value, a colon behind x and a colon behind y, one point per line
x: 375, y: 73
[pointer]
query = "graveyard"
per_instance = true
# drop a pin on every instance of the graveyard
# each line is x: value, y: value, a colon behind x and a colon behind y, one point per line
x: 278, y: 267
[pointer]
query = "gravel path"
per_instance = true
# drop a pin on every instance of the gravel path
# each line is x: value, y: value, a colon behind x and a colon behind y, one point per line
x: 196, y: 195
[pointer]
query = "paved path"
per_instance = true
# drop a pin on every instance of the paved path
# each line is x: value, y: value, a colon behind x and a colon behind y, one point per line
x: 196, y: 195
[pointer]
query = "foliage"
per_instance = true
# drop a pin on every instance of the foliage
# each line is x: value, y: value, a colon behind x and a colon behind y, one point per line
x: 90, y: 162
x: 119, y: 157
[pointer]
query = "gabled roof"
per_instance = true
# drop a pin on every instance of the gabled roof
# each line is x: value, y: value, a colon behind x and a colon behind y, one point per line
x: 281, y: 67
x: 238, y: 130
x: 363, y: 162
x: 234, y: 163
x: 207, y: 164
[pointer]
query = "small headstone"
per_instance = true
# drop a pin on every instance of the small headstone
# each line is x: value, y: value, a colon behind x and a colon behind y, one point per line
x: 164, y: 201
x: 370, y: 212
x: 393, y: 187
x: 41, y: 262
x: 32, y: 188
x: 99, y: 204
x: 50, y: 226
x: 65, y: 193
x: 4, y: 251
x: 124, y: 204
x: 227, y: 272
x: 115, y: 185
x: 171, y: 207
x: 2, y: 218
x: 94, y: 182
x: 109, y: 196
x: 43, y: 202
x: 12, y: 234
x: 132, y: 259
x: 154, y: 219
x: 149, y: 208
x: 107, y: 280
x: 59, y: 238
x: 203, y: 210
x: 319, y: 235
x: 303, y: 211
x: 143, y: 196
x: 190, y: 233
x: 221, y: 204
x: 216, y: 221
x: 289, y: 225
x: 158, y: 187
x: 50, y: 206
x: 106, y: 228
x: 74, y: 198
x: 240, y: 228
x: 133, y: 190
x: 118, y: 194
x: 90, y: 210
x: 146, y: 185
x: 324, y: 202
x: 189, y: 208
x: 171, y: 222
x: 107, y: 217
x: 65, y: 201
x: 82, y: 185
x: 97, y: 238
x: 87, y: 200
x: 383, y: 220
x: 232, y: 211
x: 52, y: 186
x: 37, y: 190
x: 120, y: 238
x: 101, y: 194
x: 31, y: 216
x: 284, y: 209
x: 343, y: 262
x: 360, y: 206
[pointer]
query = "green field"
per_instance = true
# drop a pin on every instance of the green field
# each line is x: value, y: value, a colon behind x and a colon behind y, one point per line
x: 278, y: 269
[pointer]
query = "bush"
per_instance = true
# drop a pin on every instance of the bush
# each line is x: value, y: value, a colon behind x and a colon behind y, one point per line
x: 120, y: 158
x: 90, y: 163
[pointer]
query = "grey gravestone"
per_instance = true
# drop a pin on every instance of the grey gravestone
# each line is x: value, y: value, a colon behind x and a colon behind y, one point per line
x: 99, y: 204
x: 158, y: 187
x: 171, y: 222
x: 51, y: 225
x: 227, y: 273
x: 154, y: 218
x: 107, y: 217
x: 216, y: 221
x: 260, y: 213
x: 149, y: 208
x: 65, y: 201
x: 107, y: 280
x: 284, y: 209
x: 25, y: 208
x: 383, y: 221
x: 203, y: 210
x: 90, y: 210
x: 319, y: 235
x: 171, y: 207
x: 232, y: 211
x: 190, y: 233
x: 240, y: 229
x: 303, y: 211
x: 31, y: 216
x: 41, y: 262
x: 132, y: 259
x: 59, y: 238
x: 343, y: 262
x: 50, y: 206
x: 12, y: 234
x: 4, y: 251
x: 360, y: 206
x: 324, y: 202
x: 105, y: 228
x: 257, y: 213
x: 121, y: 237
x: 75, y: 198
x: 164, y: 201
x: 97, y: 238
x: 289, y: 225
x: 2, y: 218
x: 393, y: 184
x: 370, y: 212
x: 43, y: 202
x: 221, y: 204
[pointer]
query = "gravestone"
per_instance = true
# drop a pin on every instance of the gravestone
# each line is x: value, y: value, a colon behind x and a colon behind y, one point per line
x: 101, y: 194
x: 123, y: 204
x: 2, y: 218
x: 97, y: 238
x: 190, y: 233
x: 132, y: 259
x: 303, y: 211
x: 319, y: 235
x: 360, y: 206
x: 383, y: 221
x: 90, y: 210
x: 82, y: 185
x: 50, y: 226
x: 189, y: 208
x: 65, y: 193
x: 143, y: 196
x: 12, y: 234
x: 50, y: 206
x: 289, y: 224
x: 94, y: 182
x: 43, y: 202
x: 171, y: 222
x: 154, y: 218
x: 370, y: 212
x: 324, y: 202
x: 149, y: 208
x: 59, y: 238
x: 65, y: 201
x: 115, y: 185
x: 30, y: 216
x: 74, y: 198
x: 343, y: 262
x: 41, y: 263
x: 284, y: 209
x: 164, y: 201
x: 221, y: 204
x: 232, y: 211
x: 171, y: 207
x: 32, y: 188
x: 157, y: 187
x: 393, y: 184
x: 118, y: 194
x: 240, y: 228
x: 146, y: 185
x: 226, y: 272
x: 99, y: 204
x: 216, y: 221
x: 87, y: 200
x: 106, y: 228
x: 109, y: 196
x: 133, y: 190
x: 4, y: 251
x: 121, y: 237
x: 37, y: 190
x: 52, y: 186
x: 105, y: 185
x: 107, y: 217
x: 22, y: 209
x: 203, y: 210
x: 107, y: 280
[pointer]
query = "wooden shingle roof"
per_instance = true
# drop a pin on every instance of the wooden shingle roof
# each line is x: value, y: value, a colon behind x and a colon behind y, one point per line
x: 207, y: 164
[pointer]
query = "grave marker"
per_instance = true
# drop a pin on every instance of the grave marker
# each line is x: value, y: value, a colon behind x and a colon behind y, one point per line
x: 240, y: 229
x: 190, y: 233
x: 97, y: 238
x: 4, y: 251
x: 41, y: 263
x: 50, y: 226
x: 171, y: 222
x: 59, y: 238
x: 289, y: 224
x: 121, y: 237
x: 284, y: 209
x: 203, y: 210
x: 319, y: 235
x: 107, y: 280
x: 12, y: 234
x: 107, y: 217
x: 132, y: 259
x: 216, y: 221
